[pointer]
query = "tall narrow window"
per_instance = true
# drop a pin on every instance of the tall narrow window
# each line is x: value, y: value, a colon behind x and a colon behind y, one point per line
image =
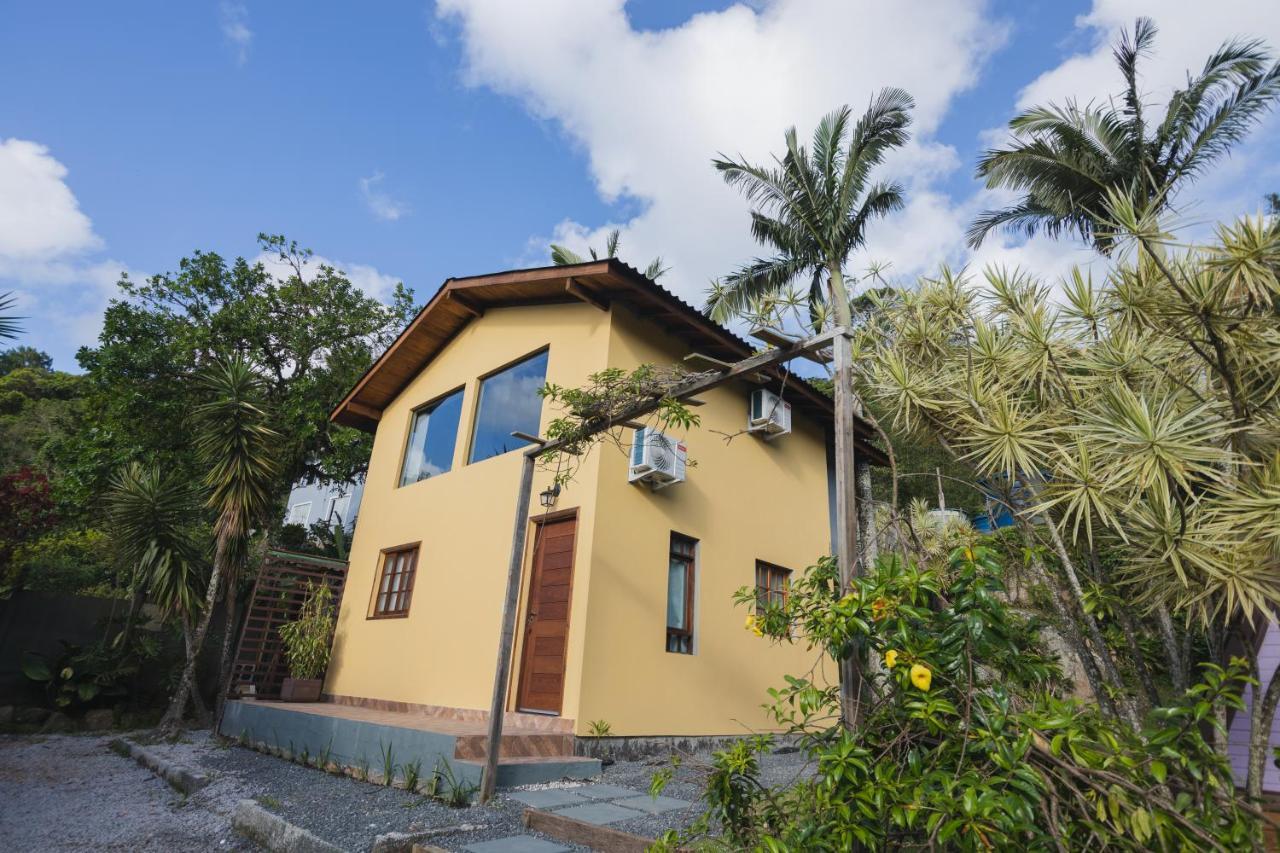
x: 771, y: 585
x: 431, y: 441
x: 680, y: 584
x: 395, y: 581
x: 509, y: 402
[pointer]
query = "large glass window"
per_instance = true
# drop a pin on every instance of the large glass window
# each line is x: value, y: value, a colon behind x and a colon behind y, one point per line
x: 435, y: 431
x: 680, y: 587
x: 509, y: 402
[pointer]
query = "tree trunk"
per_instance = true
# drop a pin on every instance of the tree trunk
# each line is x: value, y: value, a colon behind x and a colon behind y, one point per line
x: 1260, y: 723
x: 198, y: 710
x: 172, y: 719
x: 1105, y: 664
x: 224, y: 669
x: 867, y: 518
x: 1177, y: 661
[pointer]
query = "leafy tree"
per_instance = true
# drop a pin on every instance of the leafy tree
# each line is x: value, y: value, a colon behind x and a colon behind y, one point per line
x: 40, y: 408
x: 26, y: 512
x: 563, y: 256
x: 1273, y: 203
x: 238, y: 450
x: 1066, y: 159
x: 311, y: 332
x: 12, y: 359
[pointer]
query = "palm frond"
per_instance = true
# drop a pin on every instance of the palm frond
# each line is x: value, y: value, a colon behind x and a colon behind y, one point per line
x: 9, y: 326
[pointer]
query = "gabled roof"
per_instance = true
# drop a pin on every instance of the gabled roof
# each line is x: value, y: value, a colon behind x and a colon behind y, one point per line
x: 600, y: 283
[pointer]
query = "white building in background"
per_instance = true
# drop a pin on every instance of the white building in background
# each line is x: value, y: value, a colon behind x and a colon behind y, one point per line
x: 333, y: 503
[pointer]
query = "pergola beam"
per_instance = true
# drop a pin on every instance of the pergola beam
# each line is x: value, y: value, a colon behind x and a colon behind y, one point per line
x: 689, y: 388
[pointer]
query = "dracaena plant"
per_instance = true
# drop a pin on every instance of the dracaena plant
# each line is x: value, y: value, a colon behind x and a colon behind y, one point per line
x: 307, y: 639
x: 1138, y: 412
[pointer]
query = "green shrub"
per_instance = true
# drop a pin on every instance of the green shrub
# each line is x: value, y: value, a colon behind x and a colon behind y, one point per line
x: 962, y: 744
x: 307, y: 640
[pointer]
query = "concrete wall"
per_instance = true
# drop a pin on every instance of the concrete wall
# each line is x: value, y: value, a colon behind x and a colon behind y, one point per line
x: 443, y: 652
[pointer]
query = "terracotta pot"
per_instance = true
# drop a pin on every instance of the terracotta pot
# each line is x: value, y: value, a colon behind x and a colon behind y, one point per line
x: 301, y: 690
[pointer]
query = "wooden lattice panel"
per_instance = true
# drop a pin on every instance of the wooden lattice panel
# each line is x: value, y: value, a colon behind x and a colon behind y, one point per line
x: 277, y: 598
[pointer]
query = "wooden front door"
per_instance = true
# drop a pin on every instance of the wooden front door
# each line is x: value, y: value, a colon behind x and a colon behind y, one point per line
x: 546, y: 622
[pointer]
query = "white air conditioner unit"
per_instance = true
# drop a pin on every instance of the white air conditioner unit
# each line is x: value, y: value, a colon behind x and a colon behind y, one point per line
x: 770, y: 415
x: 656, y: 459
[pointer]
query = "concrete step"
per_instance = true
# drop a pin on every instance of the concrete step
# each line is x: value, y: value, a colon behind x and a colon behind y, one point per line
x: 513, y: 772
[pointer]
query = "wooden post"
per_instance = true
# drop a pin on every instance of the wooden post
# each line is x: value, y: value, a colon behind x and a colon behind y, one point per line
x: 847, y: 517
x: 502, y: 671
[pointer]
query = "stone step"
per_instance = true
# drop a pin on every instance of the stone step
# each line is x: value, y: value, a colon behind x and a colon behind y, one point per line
x: 516, y: 745
x: 513, y: 772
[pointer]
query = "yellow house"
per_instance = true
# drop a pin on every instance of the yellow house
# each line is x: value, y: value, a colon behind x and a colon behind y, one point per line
x: 626, y: 611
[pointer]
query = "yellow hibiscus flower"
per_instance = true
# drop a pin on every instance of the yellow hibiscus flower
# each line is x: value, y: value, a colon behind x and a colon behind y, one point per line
x: 891, y: 658
x: 921, y: 677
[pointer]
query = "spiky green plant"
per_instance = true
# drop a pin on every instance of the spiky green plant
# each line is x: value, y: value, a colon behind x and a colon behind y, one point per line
x: 233, y: 440
x: 8, y: 322
x: 563, y: 256
x: 1140, y: 417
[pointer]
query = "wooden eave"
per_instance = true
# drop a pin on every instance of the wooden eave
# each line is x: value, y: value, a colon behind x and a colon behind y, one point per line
x: 602, y: 284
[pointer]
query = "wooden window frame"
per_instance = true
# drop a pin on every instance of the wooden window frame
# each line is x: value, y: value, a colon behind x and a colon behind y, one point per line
x: 405, y: 592
x: 682, y: 636
x: 766, y: 592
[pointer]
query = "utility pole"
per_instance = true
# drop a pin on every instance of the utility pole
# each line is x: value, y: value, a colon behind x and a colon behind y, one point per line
x: 847, y: 516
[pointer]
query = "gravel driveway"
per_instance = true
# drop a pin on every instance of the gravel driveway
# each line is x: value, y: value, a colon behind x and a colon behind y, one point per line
x: 67, y: 792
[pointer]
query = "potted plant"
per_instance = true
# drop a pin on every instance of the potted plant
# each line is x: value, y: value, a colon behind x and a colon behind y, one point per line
x: 306, y: 645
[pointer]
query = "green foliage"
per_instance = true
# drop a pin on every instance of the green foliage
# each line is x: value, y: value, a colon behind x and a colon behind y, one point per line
x: 446, y: 788
x: 17, y: 357
x: 9, y: 325
x: 412, y: 774
x: 26, y: 513
x: 1068, y: 158
x: 67, y: 561
x: 963, y: 744
x: 606, y: 398
x: 81, y: 677
x: 389, y: 765
x: 311, y: 332
x: 599, y: 728
x: 154, y: 520
x: 564, y: 256
x: 308, y: 639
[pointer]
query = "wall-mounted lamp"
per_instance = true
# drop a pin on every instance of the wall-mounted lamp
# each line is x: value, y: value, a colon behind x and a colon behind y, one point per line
x: 547, y: 497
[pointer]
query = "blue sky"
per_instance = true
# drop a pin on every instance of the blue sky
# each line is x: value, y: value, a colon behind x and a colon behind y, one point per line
x: 414, y: 141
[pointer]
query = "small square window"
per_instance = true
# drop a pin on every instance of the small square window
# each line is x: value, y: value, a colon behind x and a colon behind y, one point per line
x: 772, y: 584
x: 299, y: 513
x: 395, y: 581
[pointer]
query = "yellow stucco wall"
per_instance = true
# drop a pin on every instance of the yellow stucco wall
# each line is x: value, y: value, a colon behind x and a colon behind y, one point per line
x: 443, y: 652
x: 743, y: 501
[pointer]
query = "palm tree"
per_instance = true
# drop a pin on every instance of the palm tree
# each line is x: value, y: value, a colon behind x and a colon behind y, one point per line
x: 8, y: 322
x: 812, y: 209
x: 563, y: 256
x: 1065, y: 159
x: 233, y: 439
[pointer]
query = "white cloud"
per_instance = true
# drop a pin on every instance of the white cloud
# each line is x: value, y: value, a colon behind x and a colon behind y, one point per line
x: 233, y: 19
x: 650, y: 109
x: 46, y: 254
x: 39, y: 215
x: 381, y: 204
x: 369, y: 279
